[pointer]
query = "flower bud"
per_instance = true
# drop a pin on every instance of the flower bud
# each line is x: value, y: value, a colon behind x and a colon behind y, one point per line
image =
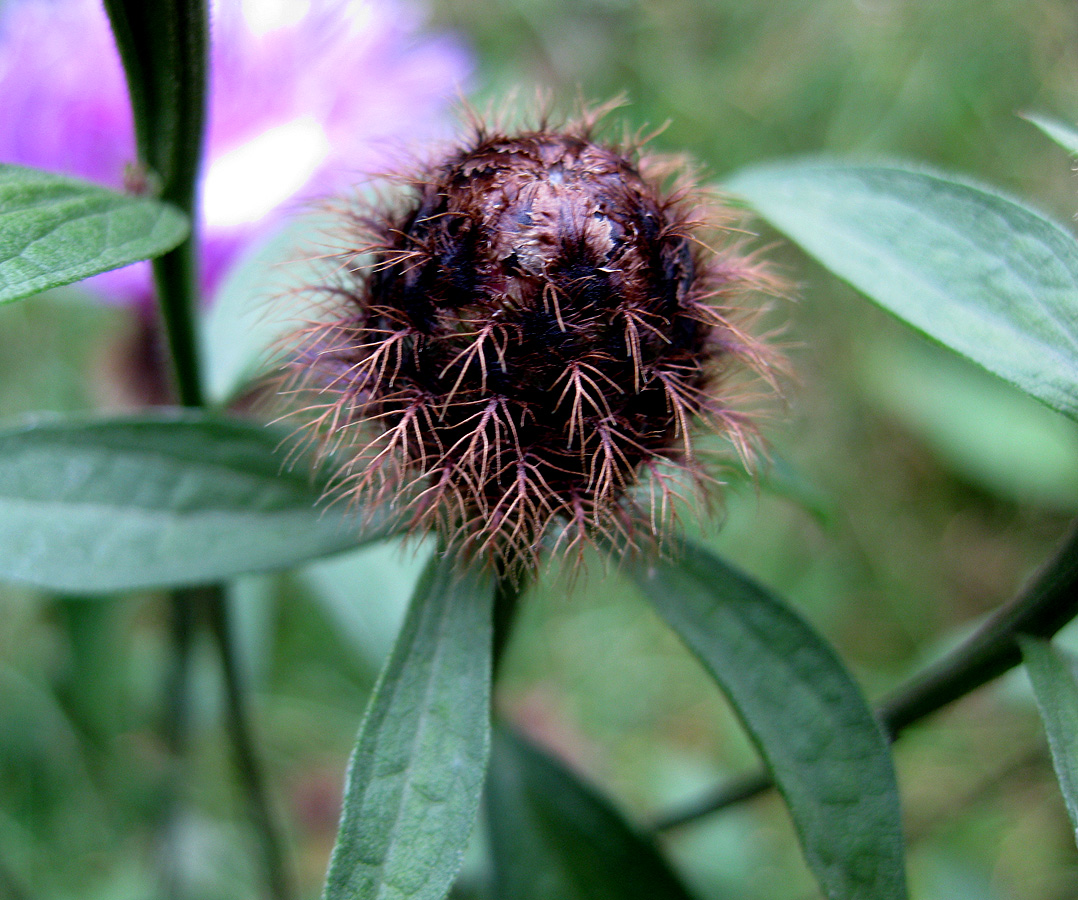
x: 522, y: 350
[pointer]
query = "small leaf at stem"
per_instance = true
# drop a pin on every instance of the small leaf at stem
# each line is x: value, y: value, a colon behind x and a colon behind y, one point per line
x: 1054, y: 674
x: 810, y: 721
x: 158, y: 501
x: 1062, y: 134
x: 554, y: 838
x: 971, y: 268
x: 56, y: 230
x: 417, y: 769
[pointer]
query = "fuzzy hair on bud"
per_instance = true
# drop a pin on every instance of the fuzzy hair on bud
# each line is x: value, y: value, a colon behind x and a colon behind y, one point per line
x: 519, y: 353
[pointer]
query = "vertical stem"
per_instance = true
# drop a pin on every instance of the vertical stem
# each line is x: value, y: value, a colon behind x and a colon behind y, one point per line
x: 243, y: 747
x: 176, y: 733
x: 181, y: 637
x: 175, y: 278
x: 164, y: 48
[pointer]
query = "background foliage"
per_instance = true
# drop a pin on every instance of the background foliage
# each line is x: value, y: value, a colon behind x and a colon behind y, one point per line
x: 928, y: 490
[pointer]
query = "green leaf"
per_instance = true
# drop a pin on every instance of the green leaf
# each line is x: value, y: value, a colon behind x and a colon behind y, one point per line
x: 1062, y: 134
x: 259, y: 303
x: 826, y: 751
x: 554, y: 838
x: 971, y: 268
x: 180, y: 499
x: 416, y: 773
x: 957, y: 408
x: 1054, y: 674
x: 56, y: 230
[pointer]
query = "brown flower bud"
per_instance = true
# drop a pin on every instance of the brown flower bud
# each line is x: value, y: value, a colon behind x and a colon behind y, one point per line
x: 535, y: 332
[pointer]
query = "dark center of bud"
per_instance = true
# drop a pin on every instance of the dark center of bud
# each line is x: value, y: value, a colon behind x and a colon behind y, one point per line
x: 531, y: 334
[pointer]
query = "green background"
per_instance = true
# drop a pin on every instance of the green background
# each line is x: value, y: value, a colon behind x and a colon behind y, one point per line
x: 927, y: 493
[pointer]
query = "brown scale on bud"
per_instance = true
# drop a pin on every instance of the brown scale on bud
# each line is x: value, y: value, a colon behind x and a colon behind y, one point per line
x: 523, y: 350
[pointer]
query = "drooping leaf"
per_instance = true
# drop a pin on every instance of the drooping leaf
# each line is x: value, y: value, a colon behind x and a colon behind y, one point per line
x: 1054, y: 674
x: 810, y: 721
x: 417, y: 769
x: 1064, y: 135
x: 164, y: 500
x: 554, y: 838
x: 56, y: 230
x: 971, y: 268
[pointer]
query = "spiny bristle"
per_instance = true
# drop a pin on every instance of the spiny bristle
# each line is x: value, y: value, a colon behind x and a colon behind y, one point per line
x: 523, y: 351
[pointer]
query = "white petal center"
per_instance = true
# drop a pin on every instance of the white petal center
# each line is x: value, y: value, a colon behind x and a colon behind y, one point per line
x: 245, y: 184
x: 264, y: 16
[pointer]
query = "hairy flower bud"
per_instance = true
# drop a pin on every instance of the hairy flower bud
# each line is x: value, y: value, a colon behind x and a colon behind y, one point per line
x: 531, y: 336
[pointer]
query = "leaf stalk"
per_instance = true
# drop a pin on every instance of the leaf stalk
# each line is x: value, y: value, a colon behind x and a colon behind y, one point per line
x: 1043, y: 607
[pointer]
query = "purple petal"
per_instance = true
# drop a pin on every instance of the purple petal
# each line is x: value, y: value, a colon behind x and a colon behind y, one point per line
x: 305, y: 99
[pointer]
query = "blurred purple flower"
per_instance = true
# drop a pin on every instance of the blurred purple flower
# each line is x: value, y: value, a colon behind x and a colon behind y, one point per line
x: 307, y: 97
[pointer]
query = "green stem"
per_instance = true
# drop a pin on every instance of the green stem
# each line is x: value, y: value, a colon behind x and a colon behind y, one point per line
x: 176, y: 732
x: 1049, y: 602
x: 278, y: 877
x: 174, y: 275
x: 164, y: 47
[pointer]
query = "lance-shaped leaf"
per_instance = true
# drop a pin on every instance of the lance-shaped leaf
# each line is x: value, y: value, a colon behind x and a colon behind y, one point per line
x: 109, y: 505
x: 554, y: 838
x: 809, y: 720
x: 56, y: 230
x: 971, y: 268
x: 416, y: 773
x: 1062, y: 134
x: 1054, y: 675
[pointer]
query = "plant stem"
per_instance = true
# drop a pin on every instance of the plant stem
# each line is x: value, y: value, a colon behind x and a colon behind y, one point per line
x: 243, y: 746
x: 174, y: 275
x: 176, y: 732
x: 164, y: 46
x: 1048, y: 602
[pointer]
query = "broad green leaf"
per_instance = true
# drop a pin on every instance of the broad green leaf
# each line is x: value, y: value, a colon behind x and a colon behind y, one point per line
x: 417, y: 770
x: 109, y: 505
x: 971, y: 268
x: 1062, y: 134
x: 1054, y: 674
x: 554, y: 838
x: 810, y: 721
x: 56, y: 230
x: 957, y: 408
